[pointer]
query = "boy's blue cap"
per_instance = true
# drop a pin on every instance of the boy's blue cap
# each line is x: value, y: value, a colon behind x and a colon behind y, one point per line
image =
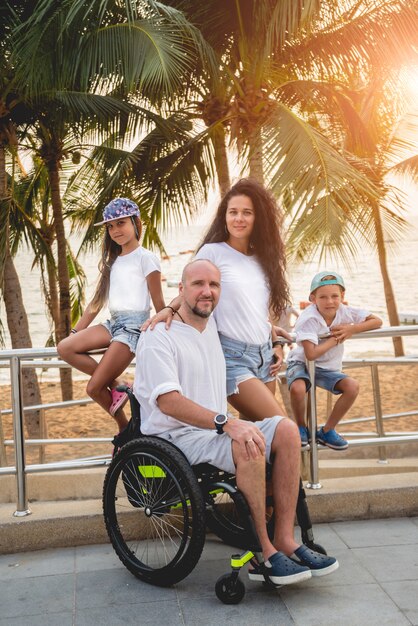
x: 117, y: 208
x: 326, y: 278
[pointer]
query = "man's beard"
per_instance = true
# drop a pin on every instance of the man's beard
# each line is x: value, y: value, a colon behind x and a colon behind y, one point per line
x: 200, y: 313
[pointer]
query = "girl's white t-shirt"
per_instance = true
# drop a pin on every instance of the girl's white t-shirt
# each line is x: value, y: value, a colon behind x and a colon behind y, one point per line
x: 128, y: 290
x: 310, y: 325
x: 243, y: 309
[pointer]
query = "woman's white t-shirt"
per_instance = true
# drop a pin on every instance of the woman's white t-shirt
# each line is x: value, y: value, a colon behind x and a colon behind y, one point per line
x: 128, y: 290
x: 243, y: 309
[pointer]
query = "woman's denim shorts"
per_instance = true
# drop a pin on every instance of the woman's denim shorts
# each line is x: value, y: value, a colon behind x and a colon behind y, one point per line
x: 245, y: 361
x: 124, y: 326
x: 326, y: 379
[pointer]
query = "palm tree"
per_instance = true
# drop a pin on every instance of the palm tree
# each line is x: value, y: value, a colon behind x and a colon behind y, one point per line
x: 284, y: 64
x: 12, y: 116
x: 388, y: 148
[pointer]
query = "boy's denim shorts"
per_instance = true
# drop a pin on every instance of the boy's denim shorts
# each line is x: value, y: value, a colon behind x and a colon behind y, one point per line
x: 245, y: 361
x: 124, y: 326
x: 326, y: 379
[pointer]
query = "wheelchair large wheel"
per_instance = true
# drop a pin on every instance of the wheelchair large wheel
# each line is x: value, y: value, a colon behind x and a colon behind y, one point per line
x: 154, y: 511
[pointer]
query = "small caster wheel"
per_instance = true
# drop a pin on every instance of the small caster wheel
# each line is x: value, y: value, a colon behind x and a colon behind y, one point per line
x: 229, y: 590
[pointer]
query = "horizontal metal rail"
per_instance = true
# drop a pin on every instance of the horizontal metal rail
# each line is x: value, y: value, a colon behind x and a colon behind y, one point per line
x: 39, y: 442
x: 59, y: 465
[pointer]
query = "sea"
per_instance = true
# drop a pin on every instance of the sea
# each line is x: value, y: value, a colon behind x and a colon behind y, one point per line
x: 363, y: 281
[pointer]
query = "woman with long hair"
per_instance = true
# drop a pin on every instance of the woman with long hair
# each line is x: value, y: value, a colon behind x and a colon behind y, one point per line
x: 245, y: 243
x: 129, y: 276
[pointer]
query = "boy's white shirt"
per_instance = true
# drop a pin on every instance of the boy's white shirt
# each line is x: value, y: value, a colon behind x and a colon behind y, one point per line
x: 310, y: 325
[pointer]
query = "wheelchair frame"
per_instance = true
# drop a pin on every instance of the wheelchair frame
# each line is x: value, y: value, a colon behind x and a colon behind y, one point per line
x: 156, y: 508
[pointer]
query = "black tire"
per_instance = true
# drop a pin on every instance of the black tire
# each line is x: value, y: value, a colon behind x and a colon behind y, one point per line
x: 223, y: 520
x: 154, y: 511
x: 229, y: 590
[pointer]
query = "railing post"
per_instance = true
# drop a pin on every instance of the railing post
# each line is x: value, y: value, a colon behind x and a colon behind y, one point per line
x: 43, y: 434
x: 312, y: 423
x: 3, y: 456
x: 18, y: 430
x: 378, y: 411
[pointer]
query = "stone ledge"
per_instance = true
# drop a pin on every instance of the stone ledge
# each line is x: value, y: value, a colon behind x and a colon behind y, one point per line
x: 80, y: 522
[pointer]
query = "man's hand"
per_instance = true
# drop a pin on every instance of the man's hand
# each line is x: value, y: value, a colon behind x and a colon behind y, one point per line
x: 341, y: 332
x: 248, y: 436
x: 277, y: 360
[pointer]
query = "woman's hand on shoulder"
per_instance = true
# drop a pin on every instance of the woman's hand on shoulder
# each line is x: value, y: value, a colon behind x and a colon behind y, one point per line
x: 165, y: 315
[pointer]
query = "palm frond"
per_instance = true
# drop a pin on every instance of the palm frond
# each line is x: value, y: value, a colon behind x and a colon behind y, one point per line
x: 330, y: 108
x: 408, y: 168
x: 301, y: 161
x: 382, y: 34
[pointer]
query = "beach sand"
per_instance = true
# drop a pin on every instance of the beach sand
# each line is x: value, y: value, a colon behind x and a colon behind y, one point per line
x: 398, y: 385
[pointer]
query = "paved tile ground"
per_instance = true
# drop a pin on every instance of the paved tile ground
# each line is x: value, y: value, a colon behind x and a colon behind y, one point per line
x: 376, y: 585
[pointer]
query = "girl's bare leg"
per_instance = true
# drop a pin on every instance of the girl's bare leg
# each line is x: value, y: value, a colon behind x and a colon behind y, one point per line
x: 256, y: 400
x: 115, y: 360
x: 73, y: 349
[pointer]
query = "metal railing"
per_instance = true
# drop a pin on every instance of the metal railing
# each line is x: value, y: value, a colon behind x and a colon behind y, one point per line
x: 16, y: 360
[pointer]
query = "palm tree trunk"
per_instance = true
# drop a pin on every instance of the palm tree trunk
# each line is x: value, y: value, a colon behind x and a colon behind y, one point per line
x: 387, y: 284
x: 221, y: 160
x: 17, y: 320
x: 256, y: 155
x: 64, y: 326
x: 53, y: 299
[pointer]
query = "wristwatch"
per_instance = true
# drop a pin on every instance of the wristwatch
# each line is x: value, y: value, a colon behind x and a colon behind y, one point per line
x: 220, y: 420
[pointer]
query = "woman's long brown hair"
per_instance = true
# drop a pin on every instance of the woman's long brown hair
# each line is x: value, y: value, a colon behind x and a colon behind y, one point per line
x: 110, y: 251
x: 266, y: 241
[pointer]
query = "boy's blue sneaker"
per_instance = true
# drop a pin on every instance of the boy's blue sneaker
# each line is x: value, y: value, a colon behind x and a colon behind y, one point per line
x: 331, y: 439
x: 319, y: 564
x: 281, y: 570
x: 304, y: 436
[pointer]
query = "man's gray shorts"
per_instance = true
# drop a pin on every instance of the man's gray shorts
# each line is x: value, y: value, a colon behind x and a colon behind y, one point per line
x: 200, y: 445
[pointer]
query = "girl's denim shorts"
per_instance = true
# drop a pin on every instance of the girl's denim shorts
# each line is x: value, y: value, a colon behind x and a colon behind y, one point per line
x: 326, y: 379
x: 124, y: 326
x: 245, y: 361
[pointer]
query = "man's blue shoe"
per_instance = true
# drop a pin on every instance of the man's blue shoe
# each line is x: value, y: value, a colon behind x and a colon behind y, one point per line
x: 331, y: 439
x: 281, y: 570
x: 319, y: 564
x: 304, y: 436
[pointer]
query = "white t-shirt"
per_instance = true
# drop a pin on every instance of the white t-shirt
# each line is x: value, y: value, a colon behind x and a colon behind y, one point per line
x: 128, y: 290
x: 310, y: 324
x: 243, y: 309
x: 180, y: 359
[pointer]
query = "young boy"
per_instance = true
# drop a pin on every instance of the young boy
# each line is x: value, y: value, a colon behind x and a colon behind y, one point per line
x: 326, y: 314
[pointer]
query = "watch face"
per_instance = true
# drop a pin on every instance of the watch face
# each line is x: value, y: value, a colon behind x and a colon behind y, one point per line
x: 220, y: 420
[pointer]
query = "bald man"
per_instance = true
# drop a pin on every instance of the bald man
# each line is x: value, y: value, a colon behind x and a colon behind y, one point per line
x: 180, y: 383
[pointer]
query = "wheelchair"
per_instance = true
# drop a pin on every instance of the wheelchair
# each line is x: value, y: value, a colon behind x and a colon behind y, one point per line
x: 157, y: 506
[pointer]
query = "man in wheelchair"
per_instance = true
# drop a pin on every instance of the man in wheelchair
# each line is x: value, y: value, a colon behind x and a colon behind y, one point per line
x: 180, y: 382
